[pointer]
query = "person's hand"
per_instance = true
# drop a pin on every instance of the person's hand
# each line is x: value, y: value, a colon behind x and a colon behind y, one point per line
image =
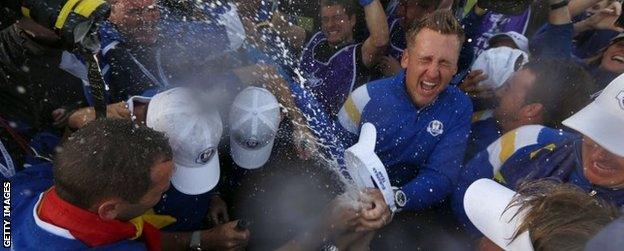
x: 471, y: 81
x: 218, y: 210
x: 389, y: 66
x: 85, y: 115
x: 340, y: 216
x: 225, y: 237
x: 375, y: 213
x: 605, y: 19
x: 304, y: 142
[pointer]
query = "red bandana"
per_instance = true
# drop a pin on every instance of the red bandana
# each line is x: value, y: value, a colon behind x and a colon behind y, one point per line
x: 88, y: 227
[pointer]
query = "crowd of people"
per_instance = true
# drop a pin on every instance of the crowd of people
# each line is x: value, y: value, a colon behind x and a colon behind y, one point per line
x: 313, y: 125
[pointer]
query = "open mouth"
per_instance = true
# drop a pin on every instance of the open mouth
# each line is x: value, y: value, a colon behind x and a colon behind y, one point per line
x: 604, y: 168
x: 428, y: 88
x: 618, y: 58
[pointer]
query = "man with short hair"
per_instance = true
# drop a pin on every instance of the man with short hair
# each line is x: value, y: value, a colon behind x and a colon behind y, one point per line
x: 332, y: 62
x: 92, y: 203
x: 106, y: 176
x: 422, y: 122
x: 542, y: 92
x: 592, y: 159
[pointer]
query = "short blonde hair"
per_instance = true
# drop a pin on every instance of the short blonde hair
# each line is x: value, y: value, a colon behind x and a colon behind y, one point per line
x: 441, y: 21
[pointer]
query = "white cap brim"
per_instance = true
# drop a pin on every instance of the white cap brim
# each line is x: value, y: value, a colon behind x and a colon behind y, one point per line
x: 599, y: 125
x: 485, y: 202
x: 198, y: 179
x: 250, y: 159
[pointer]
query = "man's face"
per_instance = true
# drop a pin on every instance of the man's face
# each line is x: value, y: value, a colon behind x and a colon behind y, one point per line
x: 600, y: 166
x: 430, y: 63
x: 136, y: 19
x: 410, y: 11
x: 613, y: 58
x: 336, y: 25
x: 512, y: 96
x: 160, y: 176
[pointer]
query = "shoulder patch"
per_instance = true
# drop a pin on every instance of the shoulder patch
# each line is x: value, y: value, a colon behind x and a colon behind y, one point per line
x: 505, y: 146
x: 350, y: 114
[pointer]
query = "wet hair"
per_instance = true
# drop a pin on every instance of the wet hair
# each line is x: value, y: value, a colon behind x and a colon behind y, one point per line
x: 348, y: 5
x: 108, y: 158
x: 561, y: 86
x: 441, y: 21
x: 560, y: 216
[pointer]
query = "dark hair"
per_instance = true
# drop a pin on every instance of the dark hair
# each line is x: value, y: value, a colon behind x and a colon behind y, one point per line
x: 560, y: 216
x: 108, y: 158
x: 348, y: 5
x: 561, y: 86
x: 441, y: 21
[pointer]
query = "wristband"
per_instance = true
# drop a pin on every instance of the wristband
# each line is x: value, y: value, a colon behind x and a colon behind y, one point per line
x: 363, y: 3
x: 559, y: 5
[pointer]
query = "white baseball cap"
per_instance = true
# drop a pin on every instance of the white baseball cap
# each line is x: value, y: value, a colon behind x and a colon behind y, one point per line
x: 365, y: 167
x: 486, y: 205
x: 194, y: 133
x: 520, y: 40
x: 498, y: 64
x: 254, y: 120
x: 603, y: 118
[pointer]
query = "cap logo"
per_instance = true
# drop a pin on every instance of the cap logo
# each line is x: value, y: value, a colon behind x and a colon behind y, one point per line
x: 205, y: 156
x: 620, y: 99
x: 435, y: 128
x: 251, y: 143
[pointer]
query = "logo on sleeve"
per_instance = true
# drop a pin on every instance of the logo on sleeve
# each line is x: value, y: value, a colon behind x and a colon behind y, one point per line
x: 435, y: 128
x: 620, y: 99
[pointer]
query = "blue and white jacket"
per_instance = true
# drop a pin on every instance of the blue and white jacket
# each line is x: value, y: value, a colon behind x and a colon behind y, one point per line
x: 422, y: 148
x: 529, y: 153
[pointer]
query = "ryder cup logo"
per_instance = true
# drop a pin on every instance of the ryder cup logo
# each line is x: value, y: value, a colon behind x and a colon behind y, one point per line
x: 205, y: 156
x: 435, y: 128
x: 620, y: 98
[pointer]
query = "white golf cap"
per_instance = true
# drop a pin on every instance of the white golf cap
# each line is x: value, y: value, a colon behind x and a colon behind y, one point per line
x: 520, y: 40
x: 498, y: 64
x: 194, y: 133
x: 603, y: 118
x: 365, y: 167
x: 486, y: 205
x: 254, y: 120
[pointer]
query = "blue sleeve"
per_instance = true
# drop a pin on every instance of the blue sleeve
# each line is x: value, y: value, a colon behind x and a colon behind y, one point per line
x: 553, y: 41
x: 477, y: 168
x: 30, y: 182
x: 437, y: 178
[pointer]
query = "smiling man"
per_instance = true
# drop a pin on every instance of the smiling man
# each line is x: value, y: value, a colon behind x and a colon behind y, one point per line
x: 422, y: 123
x: 592, y: 159
x: 332, y: 62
